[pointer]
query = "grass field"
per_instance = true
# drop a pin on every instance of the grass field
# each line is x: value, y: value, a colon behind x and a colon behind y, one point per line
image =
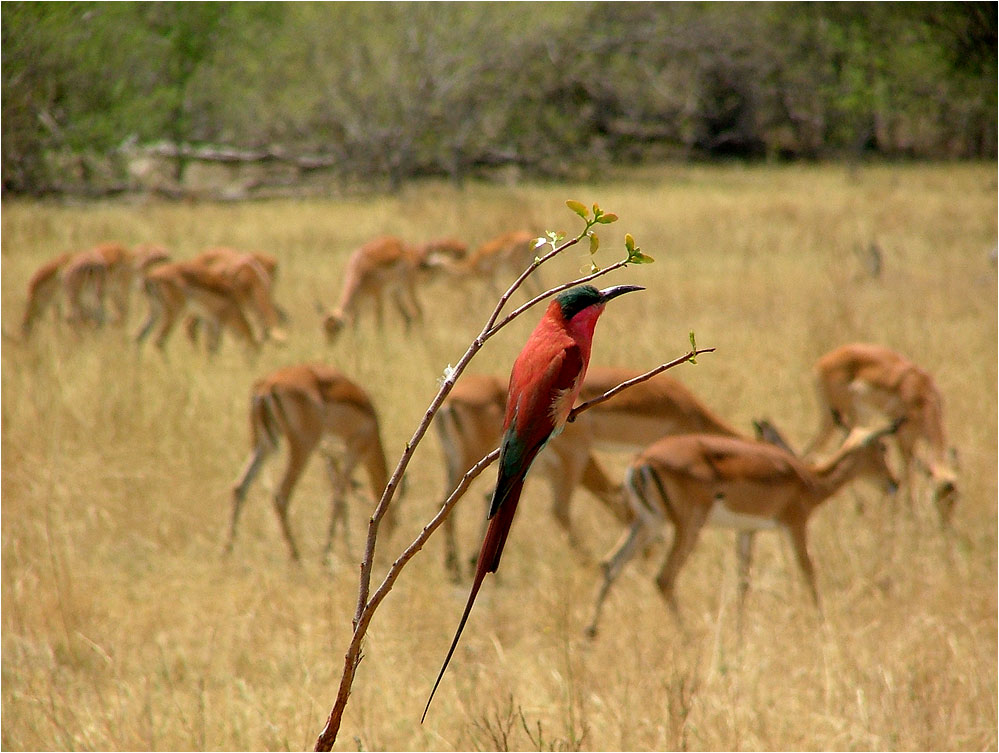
x: 124, y: 627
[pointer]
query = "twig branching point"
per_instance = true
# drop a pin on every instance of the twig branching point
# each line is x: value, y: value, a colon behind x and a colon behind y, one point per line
x: 368, y: 602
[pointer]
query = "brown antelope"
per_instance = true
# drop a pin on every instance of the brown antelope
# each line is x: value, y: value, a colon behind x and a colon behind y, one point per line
x: 439, y: 253
x: 307, y: 404
x: 383, y: 264
x: 44, y: 288
x: 693, y: 480
x: 858, y: 382
x: 505, y: 256
x: 251, y: 277
x: 105, y: 271
x: 175, y: 287
x: 471, y: 422
x: 97, y: 271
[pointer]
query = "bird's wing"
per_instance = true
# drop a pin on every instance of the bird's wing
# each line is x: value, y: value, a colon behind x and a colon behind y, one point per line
x: 533, y: 397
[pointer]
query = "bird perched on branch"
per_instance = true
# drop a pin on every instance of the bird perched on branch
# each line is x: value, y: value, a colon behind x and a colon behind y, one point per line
x: 544, y: 384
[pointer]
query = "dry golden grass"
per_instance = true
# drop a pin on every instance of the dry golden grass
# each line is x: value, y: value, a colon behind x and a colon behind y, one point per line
x: 124, y: 628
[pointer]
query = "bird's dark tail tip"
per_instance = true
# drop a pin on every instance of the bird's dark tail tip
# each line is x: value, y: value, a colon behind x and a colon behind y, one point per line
x: 479, y: 575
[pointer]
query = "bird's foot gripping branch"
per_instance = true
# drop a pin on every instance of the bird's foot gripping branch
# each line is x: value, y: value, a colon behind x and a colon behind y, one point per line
x: 545, y: 383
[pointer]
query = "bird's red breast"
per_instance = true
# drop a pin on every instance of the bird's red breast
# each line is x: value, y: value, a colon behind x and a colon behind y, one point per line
x: 548, y: 373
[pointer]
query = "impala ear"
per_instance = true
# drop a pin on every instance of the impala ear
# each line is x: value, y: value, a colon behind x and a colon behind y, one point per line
x: 767, y: 432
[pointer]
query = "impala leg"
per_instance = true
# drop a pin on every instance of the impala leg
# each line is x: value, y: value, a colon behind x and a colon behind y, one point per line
x: 907, y: 452
x: 155, y: 313
x: 744, y: 553
x: 799, y: 541
x: 192, y: 326
x: 944, y: 499
x: 298, y: 456
x: 121, y: 297
x: 265, y: 311
x: 564, y: 474
x: 451, y: 556
x: 170, y: 310
x: 235, y: 319
x: 146, y: 327
x: 250, y: 469
x: 595, y: 480
x: 451, y: 550
x: 95, y: 312
x: 164, y: 330
x: 635, y: 538
x: 339, y: 479
x: 457, y: 461
x: 414, y: 300
x: 684, y: 537
x: 80, y: 310
x: 213, y: 337
x: 400, y: 304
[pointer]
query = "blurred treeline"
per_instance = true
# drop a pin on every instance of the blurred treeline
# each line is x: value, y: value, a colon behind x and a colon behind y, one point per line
x: 388, y: 91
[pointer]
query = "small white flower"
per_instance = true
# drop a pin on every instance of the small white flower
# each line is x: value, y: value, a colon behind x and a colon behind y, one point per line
x: 448, y: 373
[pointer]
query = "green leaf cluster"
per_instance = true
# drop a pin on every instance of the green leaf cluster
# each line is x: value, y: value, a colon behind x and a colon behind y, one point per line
x: 635, y: 255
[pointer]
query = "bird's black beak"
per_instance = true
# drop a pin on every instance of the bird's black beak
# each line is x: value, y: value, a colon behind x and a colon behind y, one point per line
x: 607, y: 293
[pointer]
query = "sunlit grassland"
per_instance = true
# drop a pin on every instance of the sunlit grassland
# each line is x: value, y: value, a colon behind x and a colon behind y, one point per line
x: 123, y: 627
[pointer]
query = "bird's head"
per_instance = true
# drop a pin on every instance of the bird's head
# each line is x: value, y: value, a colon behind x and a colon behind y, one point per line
x: 583, y: 297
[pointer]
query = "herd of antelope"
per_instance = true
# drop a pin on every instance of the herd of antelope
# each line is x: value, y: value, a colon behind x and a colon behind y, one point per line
x: 226, y: 289
x: 220, y: 287
x: 691, y: 468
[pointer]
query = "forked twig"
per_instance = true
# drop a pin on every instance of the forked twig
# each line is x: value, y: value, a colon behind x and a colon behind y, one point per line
x: 636, y: 380
x: 367, y: 603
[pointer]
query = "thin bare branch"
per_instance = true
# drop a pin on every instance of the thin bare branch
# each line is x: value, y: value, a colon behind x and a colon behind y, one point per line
x: 636, y: 380
x: 554, y: 291
x: 353, y: 656
x: 366, y: 606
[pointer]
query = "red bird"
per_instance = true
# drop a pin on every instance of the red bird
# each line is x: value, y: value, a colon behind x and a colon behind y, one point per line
x: 544, y: 385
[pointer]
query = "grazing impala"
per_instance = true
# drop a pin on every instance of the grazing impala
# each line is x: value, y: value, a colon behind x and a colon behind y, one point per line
x: 251, y: 276
x: 693, y: 480
x: 44, y: 288
x: 860, y: 381
x: 439, y: 253
x: 106, y: 270
x: 505, y: 256
x: 383, y: 264
x: 95, y: 273
x: 471, y: 420
x: 306, y: 404
x: 175, y: 287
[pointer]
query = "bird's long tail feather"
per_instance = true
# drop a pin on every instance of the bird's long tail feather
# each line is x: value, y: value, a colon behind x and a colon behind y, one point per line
x: 489, y: 557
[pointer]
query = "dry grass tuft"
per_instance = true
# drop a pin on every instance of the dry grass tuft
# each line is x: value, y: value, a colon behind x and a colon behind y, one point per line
x: 124, y: 628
